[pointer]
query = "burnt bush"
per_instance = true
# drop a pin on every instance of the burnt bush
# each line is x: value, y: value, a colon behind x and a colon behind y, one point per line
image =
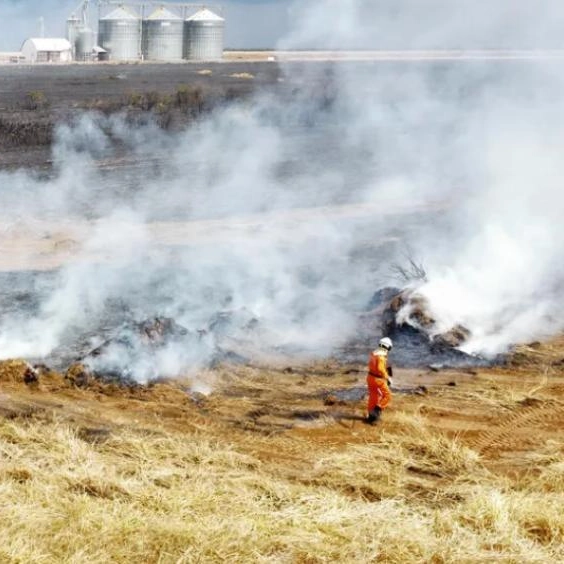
x: 35, y: 100
x: 20, y: 132
x: 153, y: 100
x: 190, y: 99
x: 134, y: 100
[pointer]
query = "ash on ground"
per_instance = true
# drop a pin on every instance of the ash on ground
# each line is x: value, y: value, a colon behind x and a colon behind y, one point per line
x: 404, y: 316
x: 160, y: 347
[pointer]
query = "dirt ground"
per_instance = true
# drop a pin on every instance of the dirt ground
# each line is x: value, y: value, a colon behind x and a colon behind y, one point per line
x: 274, y: 464
x: 48, y: 245
x: 502, y: 413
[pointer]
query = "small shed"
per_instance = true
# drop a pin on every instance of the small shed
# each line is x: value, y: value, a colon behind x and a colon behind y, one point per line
x: 47, y: 50
x: 99, y: 53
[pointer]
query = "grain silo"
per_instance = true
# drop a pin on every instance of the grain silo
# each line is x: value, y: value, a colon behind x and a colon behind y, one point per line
x: 74, y: 25
x: 163, y: 36
x: 203, y: 36
x: 119, y: 33
x: 84, y: 45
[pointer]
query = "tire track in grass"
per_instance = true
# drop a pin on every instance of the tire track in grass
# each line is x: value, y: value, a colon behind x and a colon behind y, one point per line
x: 509, y: 433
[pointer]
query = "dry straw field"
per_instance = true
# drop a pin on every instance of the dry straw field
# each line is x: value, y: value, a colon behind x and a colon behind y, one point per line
x: 273, y: 467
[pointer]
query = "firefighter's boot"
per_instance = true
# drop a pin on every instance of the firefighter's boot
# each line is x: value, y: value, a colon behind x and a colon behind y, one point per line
x: 374, y: 415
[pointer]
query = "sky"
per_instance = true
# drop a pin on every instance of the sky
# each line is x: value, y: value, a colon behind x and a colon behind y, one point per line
x: 391, y: 24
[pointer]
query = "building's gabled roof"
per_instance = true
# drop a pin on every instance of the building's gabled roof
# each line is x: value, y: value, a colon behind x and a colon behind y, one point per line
x: 50, y: 43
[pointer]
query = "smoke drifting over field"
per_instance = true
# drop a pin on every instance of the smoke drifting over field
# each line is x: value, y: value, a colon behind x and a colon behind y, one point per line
x: 277, y: 192
x: 386, y: 24
x: 485, y: 137
x: 432, y: 24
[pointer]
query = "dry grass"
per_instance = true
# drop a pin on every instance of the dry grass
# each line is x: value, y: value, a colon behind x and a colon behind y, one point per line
x: 242, y: 75
x: 143, y: 496
x: 101, y: 478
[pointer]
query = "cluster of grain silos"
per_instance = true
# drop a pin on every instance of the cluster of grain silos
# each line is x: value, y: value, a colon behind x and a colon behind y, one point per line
x: 161, y: 36
x: 119, y: 33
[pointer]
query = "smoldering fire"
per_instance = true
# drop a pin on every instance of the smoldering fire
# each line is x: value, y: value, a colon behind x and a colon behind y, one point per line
x: 294, y: 211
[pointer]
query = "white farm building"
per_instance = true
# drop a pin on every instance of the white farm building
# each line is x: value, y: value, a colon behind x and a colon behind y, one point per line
x: 47, y: 50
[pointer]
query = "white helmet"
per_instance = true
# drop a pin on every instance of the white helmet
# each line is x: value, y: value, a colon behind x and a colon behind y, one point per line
x: 386, y: 343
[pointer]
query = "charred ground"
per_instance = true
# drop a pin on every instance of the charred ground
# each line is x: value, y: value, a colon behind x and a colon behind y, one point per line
x: 33, y: 99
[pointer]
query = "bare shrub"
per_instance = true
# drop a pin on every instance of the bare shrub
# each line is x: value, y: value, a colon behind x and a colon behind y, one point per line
x: 35, y: 100
x: 151, y: 100
x: 134, y: 99
x: 190, y: 99
x: 409, y: 271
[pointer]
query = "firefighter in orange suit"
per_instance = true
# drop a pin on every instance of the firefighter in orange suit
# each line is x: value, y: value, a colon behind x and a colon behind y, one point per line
x: 379, y: 374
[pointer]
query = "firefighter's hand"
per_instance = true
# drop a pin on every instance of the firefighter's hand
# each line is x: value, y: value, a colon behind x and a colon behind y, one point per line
x: 390, y: 372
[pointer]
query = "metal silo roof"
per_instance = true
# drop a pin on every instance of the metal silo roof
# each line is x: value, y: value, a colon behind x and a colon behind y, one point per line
x: 120, y: 14
x: 163, y: 14
x: 205, y: 15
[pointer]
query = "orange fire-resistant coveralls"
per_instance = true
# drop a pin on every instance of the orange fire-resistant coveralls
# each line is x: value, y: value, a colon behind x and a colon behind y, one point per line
x: 379, y: 394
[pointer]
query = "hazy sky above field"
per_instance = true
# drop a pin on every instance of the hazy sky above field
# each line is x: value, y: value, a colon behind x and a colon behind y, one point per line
x: 388, y: 24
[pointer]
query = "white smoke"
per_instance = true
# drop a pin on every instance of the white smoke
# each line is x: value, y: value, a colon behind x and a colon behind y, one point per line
x: 265, y: 209
x: 429, y: 24
x: 504, y: 279
x: 491, y: 152
x: 214, y: 229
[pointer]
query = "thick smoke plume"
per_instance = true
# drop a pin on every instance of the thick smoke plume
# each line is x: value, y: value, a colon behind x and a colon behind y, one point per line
x: 284, y: 214
x: 482, y: 137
